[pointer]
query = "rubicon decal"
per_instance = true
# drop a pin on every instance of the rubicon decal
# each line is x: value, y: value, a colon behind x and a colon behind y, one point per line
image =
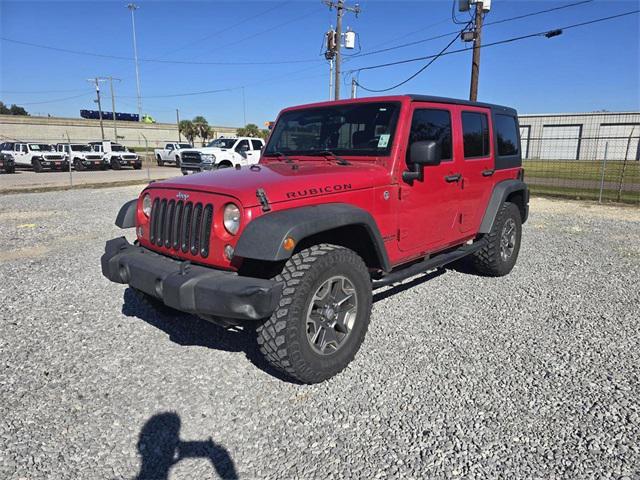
x: 319, y: 190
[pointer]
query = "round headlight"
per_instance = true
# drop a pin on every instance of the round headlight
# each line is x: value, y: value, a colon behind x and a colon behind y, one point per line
x: 231, y: 218
x: 146, y: 205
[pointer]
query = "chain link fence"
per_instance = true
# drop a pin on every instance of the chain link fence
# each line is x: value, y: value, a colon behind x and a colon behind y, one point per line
x: 603, y: 168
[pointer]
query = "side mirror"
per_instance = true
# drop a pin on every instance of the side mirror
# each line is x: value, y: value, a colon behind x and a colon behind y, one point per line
x: 421, y: 154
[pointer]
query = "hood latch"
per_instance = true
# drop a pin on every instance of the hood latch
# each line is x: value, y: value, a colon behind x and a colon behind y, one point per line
x: 264, y: 201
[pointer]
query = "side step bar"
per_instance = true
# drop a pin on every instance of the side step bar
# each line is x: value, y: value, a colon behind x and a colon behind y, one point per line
x: 437, y: 261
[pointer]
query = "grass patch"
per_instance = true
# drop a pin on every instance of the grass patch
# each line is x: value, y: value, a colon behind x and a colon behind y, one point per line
x: 584, y: 193
x: 584, y: 170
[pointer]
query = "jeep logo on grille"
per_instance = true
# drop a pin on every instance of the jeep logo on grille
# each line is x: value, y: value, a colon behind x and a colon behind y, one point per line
x: 182, y: 196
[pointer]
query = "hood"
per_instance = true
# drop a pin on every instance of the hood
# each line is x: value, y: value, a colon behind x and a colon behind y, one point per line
x: 283, y: 181
x: 214, y: 150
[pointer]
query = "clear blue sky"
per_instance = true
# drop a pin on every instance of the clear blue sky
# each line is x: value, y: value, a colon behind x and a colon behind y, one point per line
x: 588, y: 68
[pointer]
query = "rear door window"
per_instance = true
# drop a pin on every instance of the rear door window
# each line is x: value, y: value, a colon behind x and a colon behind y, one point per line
x: 257, y: 144
x: 475, y: 132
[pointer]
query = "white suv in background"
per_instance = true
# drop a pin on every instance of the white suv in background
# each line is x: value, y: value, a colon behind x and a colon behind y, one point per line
x: 82, y: 156
x: 116, y: 155
x: 222, y: 153
x: 40, y: 156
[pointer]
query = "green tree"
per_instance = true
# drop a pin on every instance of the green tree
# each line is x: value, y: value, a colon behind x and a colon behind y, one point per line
x: 188, y: 129
x: 13, y: 110
x: 202, y: 128
x: 249, y: 130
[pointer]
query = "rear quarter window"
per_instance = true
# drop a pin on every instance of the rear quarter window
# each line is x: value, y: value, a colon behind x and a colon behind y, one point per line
x: 506, y: 135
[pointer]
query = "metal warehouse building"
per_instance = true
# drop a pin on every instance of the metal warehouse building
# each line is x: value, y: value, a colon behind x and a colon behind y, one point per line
x: 581, y: 136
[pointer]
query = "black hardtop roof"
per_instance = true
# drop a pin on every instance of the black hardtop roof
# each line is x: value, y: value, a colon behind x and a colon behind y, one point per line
x: 455, y: 101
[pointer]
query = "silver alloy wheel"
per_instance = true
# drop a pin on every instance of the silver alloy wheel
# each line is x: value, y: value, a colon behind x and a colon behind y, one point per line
x: 508, y: 239
x: 331, y: 315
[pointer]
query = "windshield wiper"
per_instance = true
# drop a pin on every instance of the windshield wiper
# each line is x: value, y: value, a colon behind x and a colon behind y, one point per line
x: 279, y: 155
x: 328, y: 153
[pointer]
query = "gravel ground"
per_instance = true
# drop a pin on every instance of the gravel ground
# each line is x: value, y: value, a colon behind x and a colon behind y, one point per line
x: 536, y: 375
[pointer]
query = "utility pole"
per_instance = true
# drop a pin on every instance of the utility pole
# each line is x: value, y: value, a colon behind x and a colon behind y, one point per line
x: 178, y: 124
x: 96, y: 81
x: 244, y: 108
x: 335, y: 52
x: 113, y: 107
x: 475, y: 63
x: 132, y: 8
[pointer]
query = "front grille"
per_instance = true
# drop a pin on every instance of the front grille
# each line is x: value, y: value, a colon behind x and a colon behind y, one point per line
x: 129, y: 157
x: 53, y: 157
x: 191, y: 157
x: 181, y: 226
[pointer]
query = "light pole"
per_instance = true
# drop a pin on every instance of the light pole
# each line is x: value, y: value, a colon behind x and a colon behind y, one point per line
x: 132, y: 8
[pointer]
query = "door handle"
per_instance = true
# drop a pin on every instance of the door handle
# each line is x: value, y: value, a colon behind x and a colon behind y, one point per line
x: 453, y: 178
x: 488, y: 173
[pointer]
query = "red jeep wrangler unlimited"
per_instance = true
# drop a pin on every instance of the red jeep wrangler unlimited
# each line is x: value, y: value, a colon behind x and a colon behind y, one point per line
x: 348, y: 196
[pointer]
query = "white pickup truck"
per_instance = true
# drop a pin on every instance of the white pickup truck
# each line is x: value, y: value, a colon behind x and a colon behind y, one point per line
x: 170, y: 153
x: 222, y: 153
x: 39, y: 156
x: 82, y: 156
x: 116, y: 155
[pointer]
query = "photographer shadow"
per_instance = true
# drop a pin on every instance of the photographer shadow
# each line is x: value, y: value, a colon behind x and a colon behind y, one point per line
x: 160, y: 448
x: 190, y: 330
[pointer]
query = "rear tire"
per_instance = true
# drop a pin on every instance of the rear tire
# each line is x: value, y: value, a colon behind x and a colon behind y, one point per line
x: 137, y: 166
x: 323, y: 314
x: 499, y: 256
x: 37, y: 166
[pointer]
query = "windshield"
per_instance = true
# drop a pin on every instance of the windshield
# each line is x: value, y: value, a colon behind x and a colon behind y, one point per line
x: 117, y: 148
x: 34, y: 146
x: 222, y: 143
x: 351, y: 129
x: 81, y: 148
x: 184, y: 145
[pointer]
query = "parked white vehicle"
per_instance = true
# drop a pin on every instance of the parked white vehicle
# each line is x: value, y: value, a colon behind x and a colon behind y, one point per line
x: 116, y: 155
x: 170, y: 153
x: 222, y: 153
x: 39, y: 156
x: 82, y: 156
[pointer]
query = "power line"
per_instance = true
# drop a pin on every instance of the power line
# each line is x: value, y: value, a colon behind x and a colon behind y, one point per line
x: 500, y: 42
x: 149, y: 60
x: 495, y: 22
x: 230, y: 27
x: 53, y: 101
x: 435, y: 57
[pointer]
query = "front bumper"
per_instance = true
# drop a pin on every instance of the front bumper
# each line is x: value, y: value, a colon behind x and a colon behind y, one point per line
x: 206, y: 292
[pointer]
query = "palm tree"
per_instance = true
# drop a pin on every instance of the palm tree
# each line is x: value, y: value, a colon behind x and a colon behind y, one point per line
x: 187, y: 128
x: 202, y: 128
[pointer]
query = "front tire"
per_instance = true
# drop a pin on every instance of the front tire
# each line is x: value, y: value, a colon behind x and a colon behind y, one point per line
x: 178, y: 161
x: 77, y: 164
x: 499, y: 256
x: 37, y: 166
x: 115, y: 164
x: 323, y: 314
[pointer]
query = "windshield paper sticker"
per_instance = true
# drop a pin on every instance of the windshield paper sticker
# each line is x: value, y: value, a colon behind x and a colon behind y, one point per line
x: 384, y: 140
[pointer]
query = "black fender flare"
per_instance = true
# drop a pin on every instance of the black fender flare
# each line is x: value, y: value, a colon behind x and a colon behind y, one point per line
x: 262, y: 238
x: 127, y: 215
x: 499, y: 195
